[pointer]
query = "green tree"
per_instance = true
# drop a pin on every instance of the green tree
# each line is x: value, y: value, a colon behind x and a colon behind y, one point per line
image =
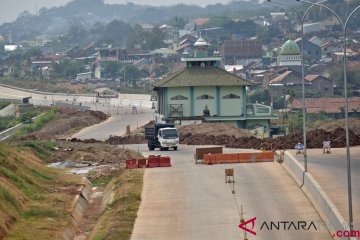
x: 113, y: 68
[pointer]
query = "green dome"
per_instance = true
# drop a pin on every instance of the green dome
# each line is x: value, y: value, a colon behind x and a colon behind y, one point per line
x: 290, y: 48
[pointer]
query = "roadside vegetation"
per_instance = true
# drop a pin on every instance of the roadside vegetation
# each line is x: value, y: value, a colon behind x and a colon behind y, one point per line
x: 33, y: 198
x: 38, y: 123
x: 118, y: 218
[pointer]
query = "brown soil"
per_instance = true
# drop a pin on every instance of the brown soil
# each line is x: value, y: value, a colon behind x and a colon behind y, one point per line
x: 100, y: 153
x: 199, y: 136
x: 212, y: 130
x: 127, y: 139
x: 68, y: 122
x: 354, y: 125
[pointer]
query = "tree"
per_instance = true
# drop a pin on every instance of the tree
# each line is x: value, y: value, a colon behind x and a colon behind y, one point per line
x: 113, y: 68
x: 131, y: 74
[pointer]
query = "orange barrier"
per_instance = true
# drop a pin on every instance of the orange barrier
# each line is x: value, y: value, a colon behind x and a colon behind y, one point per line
x: 131, y: 164
x: 164, y: 162
x: 239, y: 157
x: 200, y: 152
x: 142, y: 163
x: 153, y: 161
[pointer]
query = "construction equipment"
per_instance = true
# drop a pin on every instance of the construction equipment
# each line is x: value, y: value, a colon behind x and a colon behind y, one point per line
x: 163, y: 136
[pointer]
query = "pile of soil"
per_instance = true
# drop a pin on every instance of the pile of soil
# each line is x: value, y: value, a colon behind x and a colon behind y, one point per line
x: 100, y: 153
x: 354, y: 125
x: 195, y: 135
x: 127, y: 139
x: 212, y: 130
x: 68, y: 122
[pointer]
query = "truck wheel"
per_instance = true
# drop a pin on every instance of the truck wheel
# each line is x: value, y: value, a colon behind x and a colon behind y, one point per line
x: 175, y: 148
x: 151, y: 148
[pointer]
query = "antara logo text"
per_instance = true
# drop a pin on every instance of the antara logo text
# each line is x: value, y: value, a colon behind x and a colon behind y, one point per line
x: 278, y: 225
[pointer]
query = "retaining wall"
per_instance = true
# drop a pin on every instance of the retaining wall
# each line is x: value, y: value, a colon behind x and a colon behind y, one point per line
x: 323, y: 205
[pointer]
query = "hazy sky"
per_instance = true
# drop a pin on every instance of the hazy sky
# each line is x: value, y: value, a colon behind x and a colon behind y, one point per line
x: 11, y: 8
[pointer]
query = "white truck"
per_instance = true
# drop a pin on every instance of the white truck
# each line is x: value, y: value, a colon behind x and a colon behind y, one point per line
x: 162, y: 136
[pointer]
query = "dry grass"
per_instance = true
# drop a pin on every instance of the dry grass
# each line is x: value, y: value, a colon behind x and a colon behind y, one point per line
x: 33, y: 199
x: 117, y: 221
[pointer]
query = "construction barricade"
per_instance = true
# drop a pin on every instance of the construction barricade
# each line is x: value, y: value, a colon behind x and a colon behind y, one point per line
x: 131, y: 163
x: 200, y: 152
x: 267, y: 156
x: 153, y: 161
x: 164, y: 162
x: 141, y: 163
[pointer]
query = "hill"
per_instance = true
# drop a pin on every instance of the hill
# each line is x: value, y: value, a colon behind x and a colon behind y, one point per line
x: 55, y: 21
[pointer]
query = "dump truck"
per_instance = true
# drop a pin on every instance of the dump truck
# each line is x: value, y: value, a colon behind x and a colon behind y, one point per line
x: 162, y: 136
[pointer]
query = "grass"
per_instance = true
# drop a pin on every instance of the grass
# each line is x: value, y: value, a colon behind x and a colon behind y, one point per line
x: 31, y: 195
x: 117, y: 221
x: 40, y: 213
x: 4, y: 104
x: 38, y: 123
x: 42, y: 149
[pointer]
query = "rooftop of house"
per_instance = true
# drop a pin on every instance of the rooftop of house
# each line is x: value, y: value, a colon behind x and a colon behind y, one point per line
x: 201, y: 76
x: 329, y: 105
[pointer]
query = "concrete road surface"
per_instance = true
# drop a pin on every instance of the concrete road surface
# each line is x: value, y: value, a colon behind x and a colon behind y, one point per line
x: 116, y: 124
x: 193, y: 202
x: 330, y: 172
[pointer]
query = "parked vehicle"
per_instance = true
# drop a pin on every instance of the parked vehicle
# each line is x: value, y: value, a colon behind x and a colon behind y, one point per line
x: 162, y: 136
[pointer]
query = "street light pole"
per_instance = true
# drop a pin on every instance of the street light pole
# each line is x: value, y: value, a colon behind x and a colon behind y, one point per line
x: 348, y: 161
x: 302, y: 20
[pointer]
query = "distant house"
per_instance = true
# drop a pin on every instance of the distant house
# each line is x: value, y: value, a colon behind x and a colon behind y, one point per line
x: 82, y: 77
x: 330, y: 47
x: 277, y: 16
x: 328, y: 105
x: 350, y: 55
x: 241, y: 52
x: 312, y: 27
x: 147, y: 27
x: 316, y: 40
x: 200, y: 22
x: 320, y: 84
x: 290, y: 78
x: 310, y: 49
x: 45, y: 64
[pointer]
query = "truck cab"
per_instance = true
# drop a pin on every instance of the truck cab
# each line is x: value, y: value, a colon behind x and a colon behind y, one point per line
x: 168, y: 138
x: 163, y: 136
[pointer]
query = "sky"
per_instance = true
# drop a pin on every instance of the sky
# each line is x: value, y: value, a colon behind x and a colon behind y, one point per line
x: 11, y: 8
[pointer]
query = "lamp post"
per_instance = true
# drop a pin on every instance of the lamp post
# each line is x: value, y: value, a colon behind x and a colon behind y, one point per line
x: 344, y: 26
x: 302, y: 20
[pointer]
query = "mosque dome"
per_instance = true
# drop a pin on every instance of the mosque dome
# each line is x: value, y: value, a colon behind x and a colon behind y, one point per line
x: 290, y: 48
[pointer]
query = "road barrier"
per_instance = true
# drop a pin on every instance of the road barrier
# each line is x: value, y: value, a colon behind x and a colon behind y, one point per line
x: 199, y: 152
x: 218, y: 158
x: 164, y: 162
x: 141, y: 163
x: 151, y: 162
x: 131, y: 164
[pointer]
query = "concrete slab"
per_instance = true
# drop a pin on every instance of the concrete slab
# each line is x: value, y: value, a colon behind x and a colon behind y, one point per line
x: 189, y: 201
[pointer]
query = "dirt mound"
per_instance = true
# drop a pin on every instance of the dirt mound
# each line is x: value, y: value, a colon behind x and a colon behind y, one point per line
x: 354, y: 125
x: 193, y: 135
x: 212, y: 130
x: 127, y: 139
x: 69, y: 122
x: 100, y: 153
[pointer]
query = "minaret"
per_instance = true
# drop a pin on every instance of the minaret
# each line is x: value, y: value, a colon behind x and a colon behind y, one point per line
x: 10, y: 37
x: 176, y: 37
